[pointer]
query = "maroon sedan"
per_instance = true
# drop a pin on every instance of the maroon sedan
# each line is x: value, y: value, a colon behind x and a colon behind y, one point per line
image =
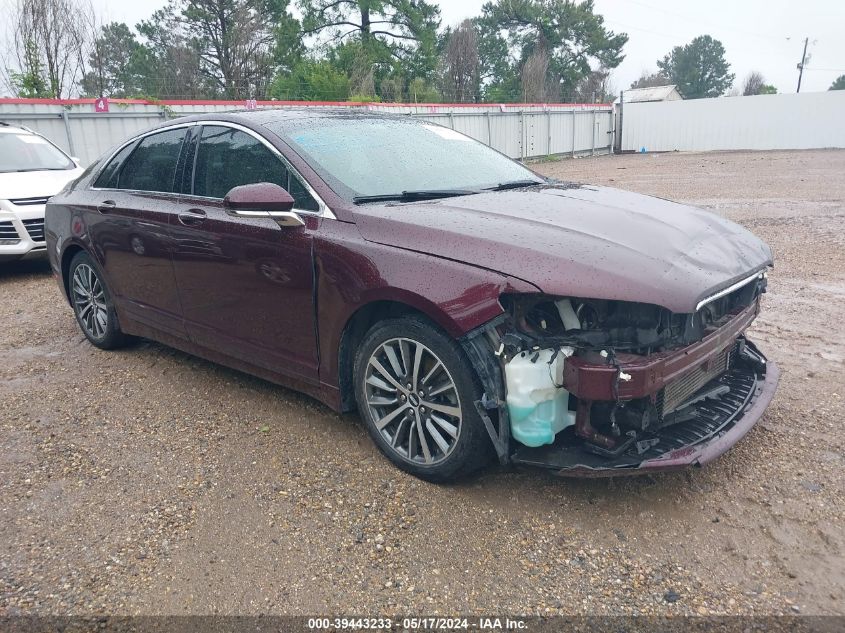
x: 467, y: 307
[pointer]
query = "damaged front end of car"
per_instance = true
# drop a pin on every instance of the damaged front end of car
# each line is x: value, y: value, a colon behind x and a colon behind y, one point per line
x: 594, y: 387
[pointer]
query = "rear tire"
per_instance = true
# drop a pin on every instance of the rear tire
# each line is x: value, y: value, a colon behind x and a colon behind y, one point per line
x: 92, y: 304
x: 416, y: 392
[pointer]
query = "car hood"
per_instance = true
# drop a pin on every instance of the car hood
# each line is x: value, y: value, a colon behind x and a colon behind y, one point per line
x: 582, y: 241
x: 35, y: 184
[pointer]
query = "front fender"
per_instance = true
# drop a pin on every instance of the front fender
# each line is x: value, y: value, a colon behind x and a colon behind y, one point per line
x: 351, y: 274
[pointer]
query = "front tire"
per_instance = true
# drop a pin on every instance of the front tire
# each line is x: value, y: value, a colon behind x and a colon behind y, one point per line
x: 92, y: 304
x: 416, y: 393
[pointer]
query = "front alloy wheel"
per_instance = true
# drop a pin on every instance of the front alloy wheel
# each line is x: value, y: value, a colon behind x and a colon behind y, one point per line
x: 413, y: 400
x: 416, y: 392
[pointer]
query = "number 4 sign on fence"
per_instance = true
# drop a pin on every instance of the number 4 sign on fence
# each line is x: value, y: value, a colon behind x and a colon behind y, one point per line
x: 101, y: 104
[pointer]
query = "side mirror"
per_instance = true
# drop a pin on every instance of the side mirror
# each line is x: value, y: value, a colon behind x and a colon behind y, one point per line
x: 262, y: 200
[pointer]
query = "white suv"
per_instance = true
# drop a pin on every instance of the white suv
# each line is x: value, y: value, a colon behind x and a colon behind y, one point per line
x: 31, y: 170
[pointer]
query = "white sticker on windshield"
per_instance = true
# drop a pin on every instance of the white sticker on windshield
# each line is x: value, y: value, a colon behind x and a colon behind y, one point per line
x: 31, y: 138
x: 446, y: 133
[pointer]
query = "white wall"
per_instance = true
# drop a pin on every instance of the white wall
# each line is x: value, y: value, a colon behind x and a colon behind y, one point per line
x: 518, y: 130
x: 788, y: 121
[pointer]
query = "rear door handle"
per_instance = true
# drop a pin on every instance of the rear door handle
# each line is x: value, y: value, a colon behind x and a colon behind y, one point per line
x: 106, y: 205
x: 192, y: 217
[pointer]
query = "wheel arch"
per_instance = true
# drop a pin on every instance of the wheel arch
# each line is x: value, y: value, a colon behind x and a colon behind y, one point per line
x: 365, y: 317
x: 67, y: 257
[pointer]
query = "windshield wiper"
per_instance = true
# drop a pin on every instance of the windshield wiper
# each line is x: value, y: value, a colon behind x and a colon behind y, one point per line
x: 515, y: 184
x: 410, y: 196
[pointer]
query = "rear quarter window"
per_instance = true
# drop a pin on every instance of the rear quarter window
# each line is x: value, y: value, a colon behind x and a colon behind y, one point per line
x: 108, y: 177
x: 152, y: 166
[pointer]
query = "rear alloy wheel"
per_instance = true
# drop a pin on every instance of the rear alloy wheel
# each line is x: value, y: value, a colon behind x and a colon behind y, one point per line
x: 416, y: 392
x: 92, y: 304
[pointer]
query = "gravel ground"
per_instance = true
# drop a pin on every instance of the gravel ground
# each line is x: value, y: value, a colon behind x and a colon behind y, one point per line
x: 146, y: 481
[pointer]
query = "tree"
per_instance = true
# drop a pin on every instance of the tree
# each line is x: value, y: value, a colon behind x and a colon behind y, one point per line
x: 113, y: 62
x: 387, y: 31
x: 460, y: 74
x: 30, y: 82
x: 311, y: 80
x: 536, y: 85
x: 49, y: 39
x: 421, y: 92
x: 652, y: 80
x: 594, y: 88
x: 235, y: 40
x: 362, y: 75
x: 755, y: 84
x: 391, y: 89
x: 698, y: 69
x: 563, y: 38
x: 169, y: 67
x: 838, y: 83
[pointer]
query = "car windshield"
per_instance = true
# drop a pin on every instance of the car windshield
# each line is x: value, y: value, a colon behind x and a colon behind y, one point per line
x: 30, y: 152
x: 365, y: 157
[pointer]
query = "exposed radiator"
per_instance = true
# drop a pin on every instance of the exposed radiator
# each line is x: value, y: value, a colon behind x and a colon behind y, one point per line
x: 678, y: 392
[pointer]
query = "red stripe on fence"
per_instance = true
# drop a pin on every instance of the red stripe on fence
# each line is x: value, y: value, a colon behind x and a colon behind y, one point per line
x: 64, y: 102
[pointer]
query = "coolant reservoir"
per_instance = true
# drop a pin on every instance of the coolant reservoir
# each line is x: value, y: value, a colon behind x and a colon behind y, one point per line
x: 538, y: 408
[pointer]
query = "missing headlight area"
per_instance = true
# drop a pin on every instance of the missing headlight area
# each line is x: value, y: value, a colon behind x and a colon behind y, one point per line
x: 592, y: 386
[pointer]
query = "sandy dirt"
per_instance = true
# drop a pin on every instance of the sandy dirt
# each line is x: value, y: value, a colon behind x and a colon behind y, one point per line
x: 146, y: 481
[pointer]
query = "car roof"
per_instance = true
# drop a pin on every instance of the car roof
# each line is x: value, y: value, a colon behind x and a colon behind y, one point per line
x: 13, y: 129
x: 289, y: 114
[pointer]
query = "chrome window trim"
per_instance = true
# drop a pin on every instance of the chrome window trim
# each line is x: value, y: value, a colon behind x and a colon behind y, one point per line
x: 729, y: 289
x: 324, y: 210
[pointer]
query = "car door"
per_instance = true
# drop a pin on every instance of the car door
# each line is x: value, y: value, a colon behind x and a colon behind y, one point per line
x: 245, y: 283
x: 134, y: 196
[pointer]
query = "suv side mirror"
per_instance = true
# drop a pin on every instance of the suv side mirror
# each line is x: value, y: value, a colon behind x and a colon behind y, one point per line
x: 262, y: 200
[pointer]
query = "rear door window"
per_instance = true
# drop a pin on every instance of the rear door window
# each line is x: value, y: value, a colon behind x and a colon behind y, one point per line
x: 228, y: 158
x: 152, y: 166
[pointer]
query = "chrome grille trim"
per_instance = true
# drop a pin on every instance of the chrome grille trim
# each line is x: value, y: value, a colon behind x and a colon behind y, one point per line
x: 26, y: 202
x: 35, y: 228
x: 7, y: 229
x: 8, y: 234
x: 729, y: 289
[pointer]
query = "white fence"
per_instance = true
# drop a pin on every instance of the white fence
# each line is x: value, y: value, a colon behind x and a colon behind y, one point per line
x: 787, y: 121
x: 518, y: 130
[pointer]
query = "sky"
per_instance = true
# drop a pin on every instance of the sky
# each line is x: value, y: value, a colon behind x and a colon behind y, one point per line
x: 763, y: 35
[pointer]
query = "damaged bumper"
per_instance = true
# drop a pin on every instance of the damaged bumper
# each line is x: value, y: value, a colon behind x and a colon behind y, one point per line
x: 641, y: 413
x: 716, y: 427
x: 647, y: 375
x: 704, y: 453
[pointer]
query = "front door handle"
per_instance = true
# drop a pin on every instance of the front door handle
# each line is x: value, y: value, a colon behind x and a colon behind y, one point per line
x: 192, y: 217
x: 106, y: 205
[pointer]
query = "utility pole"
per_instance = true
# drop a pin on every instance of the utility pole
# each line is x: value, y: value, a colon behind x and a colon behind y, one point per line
x: 801, y: 65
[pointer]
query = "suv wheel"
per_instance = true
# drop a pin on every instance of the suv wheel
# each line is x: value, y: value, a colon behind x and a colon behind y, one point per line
x: 416, y: 392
